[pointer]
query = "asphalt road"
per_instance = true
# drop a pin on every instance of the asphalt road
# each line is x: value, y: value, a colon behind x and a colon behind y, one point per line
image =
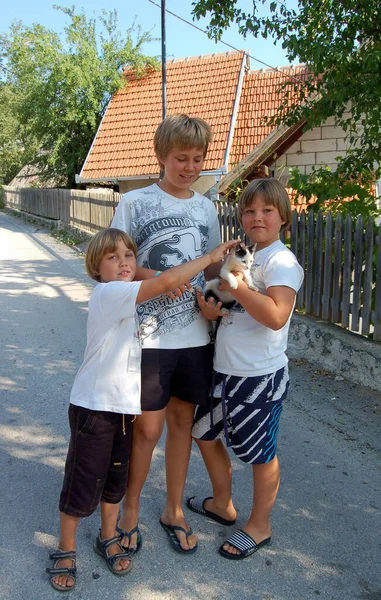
x: 326, y: 522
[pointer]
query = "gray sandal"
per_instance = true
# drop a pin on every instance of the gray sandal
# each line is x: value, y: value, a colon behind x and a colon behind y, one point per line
x: 101, y: 547
x: 69, y: 571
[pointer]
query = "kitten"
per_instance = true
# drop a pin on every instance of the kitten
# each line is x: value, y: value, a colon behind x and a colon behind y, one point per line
x: 240, y: 259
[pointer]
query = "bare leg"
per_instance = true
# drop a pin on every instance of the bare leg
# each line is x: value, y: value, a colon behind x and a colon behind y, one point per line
x: 68, y: 529
x: 147, y: 430
x: 266, y: 478
x: 109, y: 516
x: 218, y: 465
x: 177, y: 455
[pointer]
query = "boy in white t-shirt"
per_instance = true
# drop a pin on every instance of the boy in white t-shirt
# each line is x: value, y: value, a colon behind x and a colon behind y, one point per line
x: 106, y: 396
x: 250, y: 371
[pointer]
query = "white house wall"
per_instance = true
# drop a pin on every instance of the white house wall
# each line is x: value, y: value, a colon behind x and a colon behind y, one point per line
x: 319, y: 146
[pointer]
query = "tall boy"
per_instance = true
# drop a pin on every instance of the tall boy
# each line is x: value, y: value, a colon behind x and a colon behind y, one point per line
x: 250, y: 372
x: 171, y: 225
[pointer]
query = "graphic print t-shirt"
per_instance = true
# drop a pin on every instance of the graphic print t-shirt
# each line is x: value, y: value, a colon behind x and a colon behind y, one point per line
x: 170, y: 232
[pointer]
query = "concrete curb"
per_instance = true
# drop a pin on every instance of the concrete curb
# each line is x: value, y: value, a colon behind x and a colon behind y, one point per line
x: 332, y: 348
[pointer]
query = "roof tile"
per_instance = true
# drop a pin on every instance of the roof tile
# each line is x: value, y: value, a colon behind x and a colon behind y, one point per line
x: 203, y: 86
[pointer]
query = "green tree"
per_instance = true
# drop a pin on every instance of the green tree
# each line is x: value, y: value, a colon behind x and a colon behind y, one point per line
x: 56, y: 92
x: 10, y: 154
x: 340, y: 42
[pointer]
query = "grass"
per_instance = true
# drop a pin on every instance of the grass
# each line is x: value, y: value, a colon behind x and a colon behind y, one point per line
x: 70, y: 238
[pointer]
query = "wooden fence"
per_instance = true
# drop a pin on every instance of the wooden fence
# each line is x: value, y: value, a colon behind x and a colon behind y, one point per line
x: 341, y: 258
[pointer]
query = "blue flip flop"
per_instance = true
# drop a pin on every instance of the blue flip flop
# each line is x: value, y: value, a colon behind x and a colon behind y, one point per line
x: 175, y: 543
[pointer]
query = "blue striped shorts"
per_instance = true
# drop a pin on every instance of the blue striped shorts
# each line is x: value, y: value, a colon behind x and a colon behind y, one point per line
x: 246, y: 411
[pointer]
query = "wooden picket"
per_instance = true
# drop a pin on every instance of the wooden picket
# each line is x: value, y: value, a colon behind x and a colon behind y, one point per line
x: 341, y: 258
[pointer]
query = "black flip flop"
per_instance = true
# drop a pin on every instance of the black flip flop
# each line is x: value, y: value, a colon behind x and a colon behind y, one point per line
x: 242, y: 541
x: 175, y: 543
x: 196, y: 504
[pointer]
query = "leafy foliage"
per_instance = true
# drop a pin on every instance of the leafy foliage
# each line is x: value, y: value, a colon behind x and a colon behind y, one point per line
x: 340, y: 43
x: 53, y: 94
x: 330, y: 191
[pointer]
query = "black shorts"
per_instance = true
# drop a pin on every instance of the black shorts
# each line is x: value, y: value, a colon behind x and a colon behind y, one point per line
x: 97, y: 460
x: 185, y: 373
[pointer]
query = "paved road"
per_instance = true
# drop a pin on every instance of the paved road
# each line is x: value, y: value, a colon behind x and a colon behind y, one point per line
x: 326, y: 524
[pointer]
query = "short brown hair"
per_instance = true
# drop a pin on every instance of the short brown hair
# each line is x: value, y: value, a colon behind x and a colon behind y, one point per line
x: 183, y: 132
x: 102, y: 243
x: 272, y: 192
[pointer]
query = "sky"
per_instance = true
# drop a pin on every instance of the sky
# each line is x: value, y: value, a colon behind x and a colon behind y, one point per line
x: 182, y: 40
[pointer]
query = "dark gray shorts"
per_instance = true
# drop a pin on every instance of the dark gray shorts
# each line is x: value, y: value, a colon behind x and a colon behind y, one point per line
x: 246, y: 411
x: 97, y: 460
x: 185, y: 373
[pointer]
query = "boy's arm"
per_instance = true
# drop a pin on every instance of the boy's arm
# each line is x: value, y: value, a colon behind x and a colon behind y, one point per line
x: 175, y: 277
x: 213, y: 271
x: 142, y: 273
x: 272, y: 309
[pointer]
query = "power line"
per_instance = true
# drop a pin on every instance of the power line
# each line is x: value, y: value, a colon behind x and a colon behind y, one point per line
x: 289, y: 76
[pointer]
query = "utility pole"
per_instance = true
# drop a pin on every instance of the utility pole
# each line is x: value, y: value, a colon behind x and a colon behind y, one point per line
x: 163, y: 62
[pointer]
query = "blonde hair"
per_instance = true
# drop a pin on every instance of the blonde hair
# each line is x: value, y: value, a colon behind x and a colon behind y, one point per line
x: 102, y: 243
x: 272, y: 192
x: 183, y: 132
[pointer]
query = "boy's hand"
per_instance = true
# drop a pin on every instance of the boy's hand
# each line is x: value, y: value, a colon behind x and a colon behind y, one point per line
x: 178, y: 292
x: 224, y: 285
x: 210, y: 309
x: 218, y: 253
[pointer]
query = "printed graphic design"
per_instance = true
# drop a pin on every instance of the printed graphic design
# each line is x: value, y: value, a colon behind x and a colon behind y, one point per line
x: 165, y: 241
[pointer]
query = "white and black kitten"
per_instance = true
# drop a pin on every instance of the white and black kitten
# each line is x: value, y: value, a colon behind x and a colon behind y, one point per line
x: 240, y: 259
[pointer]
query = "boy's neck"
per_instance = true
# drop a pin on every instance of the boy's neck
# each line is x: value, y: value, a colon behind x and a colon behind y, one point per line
x: 180, y: 193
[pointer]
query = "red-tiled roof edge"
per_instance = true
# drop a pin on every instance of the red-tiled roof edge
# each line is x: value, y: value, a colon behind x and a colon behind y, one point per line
x: 261, y: 154
x: 204, y: 56
x: 301, y: 67
x: 78, y: 178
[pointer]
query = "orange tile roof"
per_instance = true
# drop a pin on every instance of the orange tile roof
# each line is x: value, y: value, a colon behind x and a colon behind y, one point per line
x: 204, y: 86
x: 259, y: 99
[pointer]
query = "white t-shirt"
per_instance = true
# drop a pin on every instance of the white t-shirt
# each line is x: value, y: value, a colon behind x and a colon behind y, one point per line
x: 109, y: 377
x: 245, y: 347
x: 170, y: 231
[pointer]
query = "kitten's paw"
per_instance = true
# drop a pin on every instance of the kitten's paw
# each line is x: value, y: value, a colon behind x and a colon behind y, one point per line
x: 253, y: 287
x: 233, y: 283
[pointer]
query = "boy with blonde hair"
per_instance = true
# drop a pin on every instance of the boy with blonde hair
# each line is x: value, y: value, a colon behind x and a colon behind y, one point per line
x: 250, y: 380
x: 105, y: 397
x: 171, y: 224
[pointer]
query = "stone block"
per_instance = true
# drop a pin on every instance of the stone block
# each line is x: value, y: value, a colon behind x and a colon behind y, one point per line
x: 319, y: 145
x: 332, y: 132
x: 296, y: 160
x: 328, y: 157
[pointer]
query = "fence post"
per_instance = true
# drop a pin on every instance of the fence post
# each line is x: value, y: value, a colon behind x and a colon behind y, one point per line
x: 327, y: 274
x: 368, y: 272
x: 377, y: 310
x: 357, y: 274
x: 337, y: 279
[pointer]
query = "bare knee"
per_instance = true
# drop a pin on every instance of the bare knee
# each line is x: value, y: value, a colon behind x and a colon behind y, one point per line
x: 179, y: 415
x: 148, y: 428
